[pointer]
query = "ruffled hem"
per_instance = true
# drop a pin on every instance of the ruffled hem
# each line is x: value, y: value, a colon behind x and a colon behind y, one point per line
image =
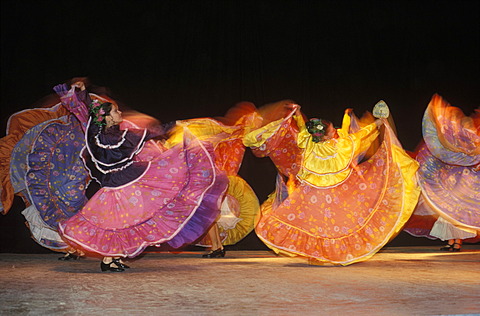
x: 44, y: 235
x: 444, y: 230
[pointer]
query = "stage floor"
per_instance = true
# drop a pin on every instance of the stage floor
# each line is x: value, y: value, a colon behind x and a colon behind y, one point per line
x: 396, y: 281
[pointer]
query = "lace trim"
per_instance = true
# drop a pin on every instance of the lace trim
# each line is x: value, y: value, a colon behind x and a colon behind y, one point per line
x: 97, y: 165
x: 113, y: 146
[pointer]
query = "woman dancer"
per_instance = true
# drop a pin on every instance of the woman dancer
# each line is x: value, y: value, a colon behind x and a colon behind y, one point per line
x: 149, y: 194
x: 449, y: 176
x: 41, y: 162
x: 328, y: 206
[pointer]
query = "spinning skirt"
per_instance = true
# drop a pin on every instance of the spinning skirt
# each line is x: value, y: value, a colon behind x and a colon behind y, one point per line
x: 348, y: 222
x: 175, y: 201
x: 239, y: 208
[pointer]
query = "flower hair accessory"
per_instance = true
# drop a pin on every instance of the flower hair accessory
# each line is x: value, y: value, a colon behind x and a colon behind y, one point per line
x: 317, y: 129
x: 98, y: 113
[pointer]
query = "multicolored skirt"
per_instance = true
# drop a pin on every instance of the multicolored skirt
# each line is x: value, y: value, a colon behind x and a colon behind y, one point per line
x: 175, y: 202
x: 348, y: 222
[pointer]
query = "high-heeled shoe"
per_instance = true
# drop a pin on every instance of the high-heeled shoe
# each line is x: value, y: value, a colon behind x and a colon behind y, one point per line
x: 108, y: 267
x: 120, y: 264
x: 69, y: 256
x: 220, y: 252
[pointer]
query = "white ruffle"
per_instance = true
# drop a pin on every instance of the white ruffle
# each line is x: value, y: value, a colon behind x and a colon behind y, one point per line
x: 444, y: 230
x: 227, y: 219
x: 39, y: 229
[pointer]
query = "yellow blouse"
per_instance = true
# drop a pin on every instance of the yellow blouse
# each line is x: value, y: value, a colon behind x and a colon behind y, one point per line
x: 329, y: 163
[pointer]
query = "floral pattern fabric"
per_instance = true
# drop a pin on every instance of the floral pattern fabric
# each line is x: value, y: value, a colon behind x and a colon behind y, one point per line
x: 448, y: 174
x: 345, y: 222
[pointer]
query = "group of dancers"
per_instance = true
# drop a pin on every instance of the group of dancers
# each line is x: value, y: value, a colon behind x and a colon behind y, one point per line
x: 341, y: 194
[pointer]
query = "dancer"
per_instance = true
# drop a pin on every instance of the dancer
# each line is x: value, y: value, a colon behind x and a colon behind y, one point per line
x: 149, y: 194
x: 329, y: 206
x: 240, y: 205
x: 41, y: 163
x: 449, y: 176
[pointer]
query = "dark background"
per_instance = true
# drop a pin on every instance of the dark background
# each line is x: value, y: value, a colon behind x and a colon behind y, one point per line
x: 187, y: 59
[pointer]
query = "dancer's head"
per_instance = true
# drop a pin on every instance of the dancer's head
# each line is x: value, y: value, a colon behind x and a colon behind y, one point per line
x: 105, y: 114
x: 320, y: 130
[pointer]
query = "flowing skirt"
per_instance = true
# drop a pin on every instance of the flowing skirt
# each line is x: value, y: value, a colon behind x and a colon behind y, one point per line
x: 55, y: 180
x: 175, y: 201
x: 18, y: 125
x: 240, y: 204
x: 348, y: 222
x: 239, y: 209
x: 450, y: 192
x: 450, y: 207
x: 47, y: 172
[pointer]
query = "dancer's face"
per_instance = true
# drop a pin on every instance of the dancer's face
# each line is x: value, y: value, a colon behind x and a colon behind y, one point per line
x: 331, y: 132
x: 115, y: 116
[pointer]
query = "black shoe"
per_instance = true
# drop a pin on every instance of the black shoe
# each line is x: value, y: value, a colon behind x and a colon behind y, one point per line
x: 69, y: 256
x: 447, y: 247
x: 455, y: 249
x: 220, y: 252
x: 108, y: 267
x: 120, y: 264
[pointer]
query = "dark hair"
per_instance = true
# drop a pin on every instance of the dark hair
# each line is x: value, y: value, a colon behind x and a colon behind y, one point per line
x: 98, y: 111
x: 317, y: 128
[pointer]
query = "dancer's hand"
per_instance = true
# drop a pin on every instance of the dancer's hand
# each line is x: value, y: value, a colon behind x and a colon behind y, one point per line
x: 61, y: 89
x: 379, y: 122
x: 293, y: 107
x: 79, y: 84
